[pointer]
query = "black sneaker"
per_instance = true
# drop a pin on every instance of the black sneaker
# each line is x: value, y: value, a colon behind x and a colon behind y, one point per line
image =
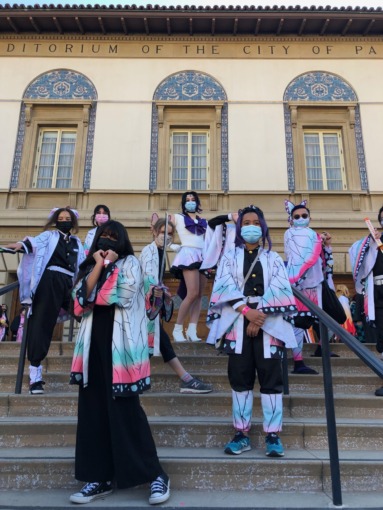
x: 91, y: 491
x: 36, y: 388
x: 195, y: 386
x: 159, y: 490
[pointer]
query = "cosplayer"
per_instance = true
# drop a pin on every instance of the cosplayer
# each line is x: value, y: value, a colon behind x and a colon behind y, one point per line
x: 309, y: 262
x: 367, y: 269
x: 151, y: 259
x: 191, y: 230
x: 4, y: 322
x: 46, y: 274
x: 251, y: 294
x: 101, y: 215
x: 343, y: 294
x: 111, y: 366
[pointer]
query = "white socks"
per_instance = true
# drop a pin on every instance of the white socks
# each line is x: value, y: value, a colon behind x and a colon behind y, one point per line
x: 35, y: 374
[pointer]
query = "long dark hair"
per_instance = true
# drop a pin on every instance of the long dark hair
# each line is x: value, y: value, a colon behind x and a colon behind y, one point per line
x: 262, y: 222
x: 379, y: 213
x: 53, y: 219
x: 96, y: 209
x: 116, y: 230
x: 196, y: 198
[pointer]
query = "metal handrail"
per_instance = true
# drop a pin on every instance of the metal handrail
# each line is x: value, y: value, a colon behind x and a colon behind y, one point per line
x: 8, y: 288
x: 23, y: 347
x: 326, y: 323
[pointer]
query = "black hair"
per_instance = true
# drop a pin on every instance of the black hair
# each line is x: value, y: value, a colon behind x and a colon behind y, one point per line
x: 265, y: 229
x: 379, y: 214
x: 299, y: 206
x: 123, y: 247
x: 96, y: 211
x: 196, y: 198
x: 53, y: 219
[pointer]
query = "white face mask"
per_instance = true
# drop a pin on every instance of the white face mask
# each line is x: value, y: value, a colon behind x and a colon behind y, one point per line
x: 381, y: 222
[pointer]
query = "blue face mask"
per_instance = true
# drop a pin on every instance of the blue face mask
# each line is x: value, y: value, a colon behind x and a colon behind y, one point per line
x: 251, y: 233
x: 191, y: 206
x: 301, y: 222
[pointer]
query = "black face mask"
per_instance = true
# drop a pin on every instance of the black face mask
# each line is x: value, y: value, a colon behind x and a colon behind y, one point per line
x: 106, y: 244
x: 64, y: 226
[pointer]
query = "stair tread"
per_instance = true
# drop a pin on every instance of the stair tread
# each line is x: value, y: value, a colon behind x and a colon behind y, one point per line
x: 202, y: 454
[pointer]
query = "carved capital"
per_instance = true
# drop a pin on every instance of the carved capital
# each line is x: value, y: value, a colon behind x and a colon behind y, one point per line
x: 85, y: 114
x: 28, y: 114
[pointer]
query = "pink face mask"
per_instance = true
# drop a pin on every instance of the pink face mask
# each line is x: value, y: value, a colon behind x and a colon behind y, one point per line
x: 101, y: 218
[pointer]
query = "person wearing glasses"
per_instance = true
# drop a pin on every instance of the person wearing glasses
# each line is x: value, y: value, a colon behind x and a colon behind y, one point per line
x: 309, y: 262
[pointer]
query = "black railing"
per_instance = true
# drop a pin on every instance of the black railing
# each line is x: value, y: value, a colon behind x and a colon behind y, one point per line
x: 326, y: 323
x: 23, y: 347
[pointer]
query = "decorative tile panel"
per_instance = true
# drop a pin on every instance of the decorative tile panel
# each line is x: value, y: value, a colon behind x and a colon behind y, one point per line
x: 61, y: 84
x: 190, y: 86
x: 321, y: 86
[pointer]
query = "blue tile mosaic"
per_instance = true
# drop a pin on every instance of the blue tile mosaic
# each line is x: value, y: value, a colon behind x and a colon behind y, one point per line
x: 321, y: 86
x: 60, y: 84
x: 190, y: 86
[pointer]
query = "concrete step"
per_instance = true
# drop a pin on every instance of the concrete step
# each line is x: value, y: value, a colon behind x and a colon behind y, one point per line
x: 204, y: 469
x: 198, y: 432
x: 192, y: 362
x: 188, y: 347
x: 362, y: 406
x: 137, y: 498
x: 164, y: 381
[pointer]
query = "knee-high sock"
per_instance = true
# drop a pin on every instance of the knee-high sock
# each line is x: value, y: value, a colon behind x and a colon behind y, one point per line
x: 297, y: 351
x: 242, y: 409
x: 272, y: 408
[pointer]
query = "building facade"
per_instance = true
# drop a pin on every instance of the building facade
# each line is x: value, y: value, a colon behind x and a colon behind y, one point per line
x: 132, y: 106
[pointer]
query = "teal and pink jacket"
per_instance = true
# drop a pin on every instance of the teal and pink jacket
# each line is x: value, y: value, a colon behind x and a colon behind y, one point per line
x: 121, y: 285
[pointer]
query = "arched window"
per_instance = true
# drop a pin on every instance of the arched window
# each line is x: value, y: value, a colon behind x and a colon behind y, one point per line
x: 189, y: 144
x: 56, y: 130
x: 324, y: 143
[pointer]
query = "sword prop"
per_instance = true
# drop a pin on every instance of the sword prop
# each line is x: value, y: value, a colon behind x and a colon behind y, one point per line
x: 372, y: 232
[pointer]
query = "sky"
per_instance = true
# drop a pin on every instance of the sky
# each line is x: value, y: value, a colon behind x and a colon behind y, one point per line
x: 262, y: 3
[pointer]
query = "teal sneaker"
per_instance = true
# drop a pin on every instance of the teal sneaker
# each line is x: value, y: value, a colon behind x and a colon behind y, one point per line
x: 239, y: 444
x: 274, y: 447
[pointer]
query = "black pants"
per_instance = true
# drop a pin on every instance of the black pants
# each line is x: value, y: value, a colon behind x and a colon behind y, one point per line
x: 242, y: 368
x: 166, y: 348
x: 52, y: 294
x: 114, y: 440
x: 378, y: 301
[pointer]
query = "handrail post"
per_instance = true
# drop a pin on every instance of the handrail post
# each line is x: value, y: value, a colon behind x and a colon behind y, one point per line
x: 71, y: 329
x: 285, y: 372
x: 330, y: 416
x: 23, y: 351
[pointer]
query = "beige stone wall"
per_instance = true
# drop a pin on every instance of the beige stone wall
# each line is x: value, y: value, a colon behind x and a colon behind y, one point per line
x: 257, y: 154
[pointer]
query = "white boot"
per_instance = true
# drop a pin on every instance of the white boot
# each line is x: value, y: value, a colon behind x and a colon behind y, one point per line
x: 191, y: 333
x: 178, y: 335
x: 36, y: 382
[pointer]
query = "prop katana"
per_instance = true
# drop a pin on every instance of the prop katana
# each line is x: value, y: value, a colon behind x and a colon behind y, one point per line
x: 372, y: 232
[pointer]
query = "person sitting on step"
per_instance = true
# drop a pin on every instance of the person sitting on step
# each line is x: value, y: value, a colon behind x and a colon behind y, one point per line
x: 151, y: 260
